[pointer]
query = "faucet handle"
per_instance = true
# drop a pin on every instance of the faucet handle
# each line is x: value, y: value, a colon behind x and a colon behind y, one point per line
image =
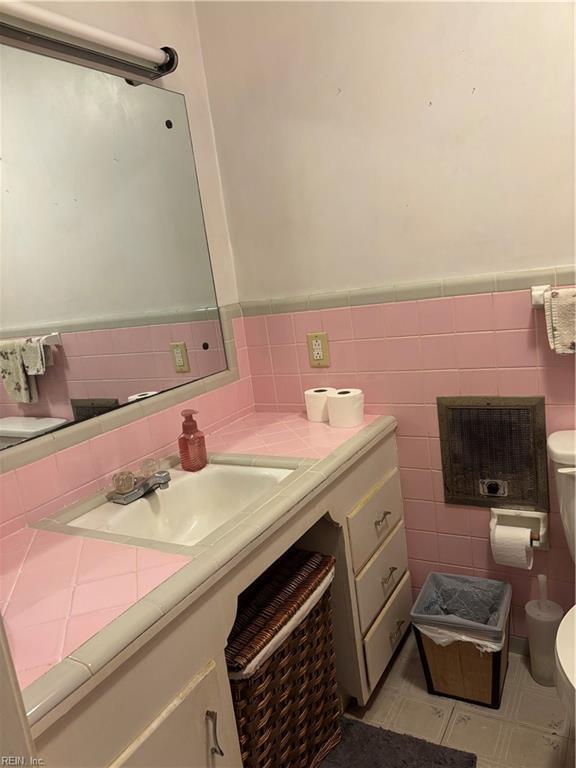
x: 124, y: 481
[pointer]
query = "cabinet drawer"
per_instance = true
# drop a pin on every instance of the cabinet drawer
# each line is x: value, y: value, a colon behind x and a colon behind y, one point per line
x: 347, y: 492
x: 380, y: 576
x: 373, y: 519
x: 386, y: 632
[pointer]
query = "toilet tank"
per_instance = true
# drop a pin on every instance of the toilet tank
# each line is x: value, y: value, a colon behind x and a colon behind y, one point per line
x: 15, y: 429
x: 562, y: 452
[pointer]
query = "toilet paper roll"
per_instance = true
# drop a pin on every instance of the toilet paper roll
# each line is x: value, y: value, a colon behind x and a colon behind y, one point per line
x: 511, y: 546
x: 140, y: 396
x: 346, y: 407
x: 317, y: 403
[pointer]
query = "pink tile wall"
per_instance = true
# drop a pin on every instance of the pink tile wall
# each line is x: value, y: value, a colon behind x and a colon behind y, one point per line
x: 41, y: 488
x: 403, y: 356
x: 119, y: 362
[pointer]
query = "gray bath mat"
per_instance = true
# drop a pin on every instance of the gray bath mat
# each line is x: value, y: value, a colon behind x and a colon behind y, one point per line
x: 364, y: 746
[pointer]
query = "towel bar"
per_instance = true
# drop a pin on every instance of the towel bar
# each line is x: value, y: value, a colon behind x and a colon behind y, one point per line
x: 52, y: 340
x: 538, y: 292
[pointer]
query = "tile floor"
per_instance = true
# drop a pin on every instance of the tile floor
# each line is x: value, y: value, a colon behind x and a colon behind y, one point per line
x: 530, y: 730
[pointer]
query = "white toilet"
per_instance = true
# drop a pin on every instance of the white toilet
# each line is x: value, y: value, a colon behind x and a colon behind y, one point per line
x: 562, y: 451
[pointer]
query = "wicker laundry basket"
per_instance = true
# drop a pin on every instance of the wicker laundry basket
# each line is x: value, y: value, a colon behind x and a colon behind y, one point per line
x: 280, y: 658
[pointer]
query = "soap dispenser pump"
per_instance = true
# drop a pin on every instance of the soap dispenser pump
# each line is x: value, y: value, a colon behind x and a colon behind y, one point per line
x: 192, y: 444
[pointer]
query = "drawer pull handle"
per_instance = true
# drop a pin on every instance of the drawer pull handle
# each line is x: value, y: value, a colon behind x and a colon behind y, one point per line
x: 215, y: 749
x: 386, y: 579
x: 379, y: 522
x: 395, y: 635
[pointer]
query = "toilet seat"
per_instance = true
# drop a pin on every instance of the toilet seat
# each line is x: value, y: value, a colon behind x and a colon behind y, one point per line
x: 566, y: 661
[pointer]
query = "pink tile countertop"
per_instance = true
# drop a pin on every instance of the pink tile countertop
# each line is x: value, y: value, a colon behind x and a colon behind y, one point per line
x: 58, y: 591
x: 280, y: 434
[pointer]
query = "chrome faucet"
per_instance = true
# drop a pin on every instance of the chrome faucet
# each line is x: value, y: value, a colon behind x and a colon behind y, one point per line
x: 128, y: 487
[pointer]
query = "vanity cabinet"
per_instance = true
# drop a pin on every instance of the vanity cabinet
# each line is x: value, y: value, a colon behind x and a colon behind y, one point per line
x: 150, y: 708
x: 165, y: 699
x: 188, y: 733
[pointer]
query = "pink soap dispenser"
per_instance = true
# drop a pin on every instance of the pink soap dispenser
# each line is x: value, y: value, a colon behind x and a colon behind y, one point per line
x: 192, y: 444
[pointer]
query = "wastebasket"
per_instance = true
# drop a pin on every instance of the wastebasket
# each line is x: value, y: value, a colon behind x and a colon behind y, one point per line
x: 281, y: 665
x: 461, y: 625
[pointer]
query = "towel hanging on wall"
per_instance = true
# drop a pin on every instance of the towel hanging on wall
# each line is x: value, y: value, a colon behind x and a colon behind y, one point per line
x: 21, y: 360
x: 560, y: 310
x: 20, y: 387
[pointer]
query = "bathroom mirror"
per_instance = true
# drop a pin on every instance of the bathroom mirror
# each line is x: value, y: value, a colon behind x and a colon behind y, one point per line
x: 104, y: 261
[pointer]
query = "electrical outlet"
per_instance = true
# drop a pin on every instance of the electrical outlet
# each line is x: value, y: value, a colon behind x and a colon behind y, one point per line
x: 318, y: 352
x: 180, y: 356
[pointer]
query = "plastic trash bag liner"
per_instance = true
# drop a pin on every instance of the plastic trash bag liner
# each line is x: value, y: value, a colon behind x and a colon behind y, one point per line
x: 464, y: 604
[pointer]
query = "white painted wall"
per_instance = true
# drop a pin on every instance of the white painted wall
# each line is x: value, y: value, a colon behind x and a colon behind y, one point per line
x: 174, y: 24
x: 370, y: 143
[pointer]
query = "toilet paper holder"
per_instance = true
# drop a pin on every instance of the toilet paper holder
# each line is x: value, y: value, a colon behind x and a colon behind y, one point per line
x: 524, y: 518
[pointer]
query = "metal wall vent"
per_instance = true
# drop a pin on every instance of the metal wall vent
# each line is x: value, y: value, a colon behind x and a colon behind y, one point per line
x: 88, y: 408
x: 494, y: 451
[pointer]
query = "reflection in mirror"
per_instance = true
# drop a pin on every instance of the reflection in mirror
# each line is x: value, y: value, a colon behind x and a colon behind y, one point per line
x: 106, y: 288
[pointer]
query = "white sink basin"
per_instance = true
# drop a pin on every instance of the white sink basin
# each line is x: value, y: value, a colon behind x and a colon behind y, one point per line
x: 195, y: 505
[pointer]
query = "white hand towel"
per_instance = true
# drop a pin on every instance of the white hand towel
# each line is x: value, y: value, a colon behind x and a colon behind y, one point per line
x: 21, y: 387
x: 560, y: 310
x: 35, y: 355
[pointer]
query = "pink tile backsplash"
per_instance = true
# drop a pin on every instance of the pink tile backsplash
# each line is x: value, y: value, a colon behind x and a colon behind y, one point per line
x: 38, y: 483
x: 284, y: 359
x: 371, y: 355
x: 513, y: 309
x: 280, y: 329
x: 74, y: 466
x: 256, y: 331
x: 306, y: 322
x: 519, y: 382
x: 473, y: 313
x: 260, y: 360
x: 516, y: 349
x: 402, y: 319
x: 337, y: 323
x: 475, y: 350
x: 436, y: 316
x: 403, y: 354
x: 438, y: 352
x: 457, y: 352
x: 415, y: 452
x: 422, y: 545
x: 368, y: 322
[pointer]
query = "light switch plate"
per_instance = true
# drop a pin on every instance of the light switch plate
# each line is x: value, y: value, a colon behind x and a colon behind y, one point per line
x: 318, y: 352
x: 180, y: 356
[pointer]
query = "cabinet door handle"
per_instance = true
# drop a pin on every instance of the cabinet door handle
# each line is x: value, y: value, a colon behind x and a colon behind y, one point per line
x: 379, y: 522
x: 395, y: 635
x: 386, y: 579
x: 215, y: 749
